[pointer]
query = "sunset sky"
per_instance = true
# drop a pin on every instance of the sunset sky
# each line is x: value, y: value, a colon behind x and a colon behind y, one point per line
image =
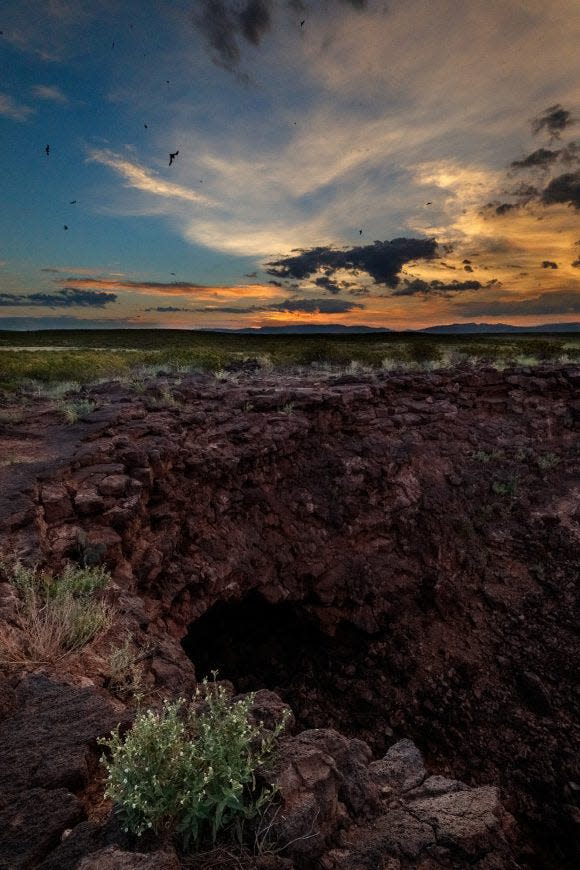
x: 397, y: 163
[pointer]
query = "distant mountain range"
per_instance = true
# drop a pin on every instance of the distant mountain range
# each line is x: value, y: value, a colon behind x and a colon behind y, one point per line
x: 444, y: 329
x: 501, y: 327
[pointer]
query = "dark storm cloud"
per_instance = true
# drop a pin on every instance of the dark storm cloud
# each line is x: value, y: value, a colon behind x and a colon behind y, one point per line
x: 436, y: 288
x: 223, y: 24
x: 555, y: 302
x: 541, y: 157
x: 327, y: 284
x: 227, y: 24
x: 571, y: 153
x: 306, y: 306
x: 504, y: 207
x: 255, y: 20
x: 69, y: 297
x: 381, y: 260
x: 167, y: 308
x: 563, y: 189
x: 554, y: 120
x: 549, y: 264
x: 312, y: 306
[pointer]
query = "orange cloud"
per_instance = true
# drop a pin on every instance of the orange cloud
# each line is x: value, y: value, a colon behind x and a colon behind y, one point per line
x: 187, y: 289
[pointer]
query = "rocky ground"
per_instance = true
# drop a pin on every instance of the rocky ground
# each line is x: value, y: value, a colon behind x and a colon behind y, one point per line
x: 394, y: 555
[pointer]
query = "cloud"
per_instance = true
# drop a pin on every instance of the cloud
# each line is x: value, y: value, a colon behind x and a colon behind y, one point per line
x: 554, y: 120
x: 141, y: 178
x: 381, y: 260
x: 50, y: 92
x: 565, y: 188
x: 224, y: 23
x: 327, y: 283
x: 69, y: 297
x: 549, y: 264
x: 167, y: 308
x: 435, y: 287
x: 174, y: 288
x: 16, y: 111
x: 541, y: 157
x: 559, y: 302
x: 288, y: 306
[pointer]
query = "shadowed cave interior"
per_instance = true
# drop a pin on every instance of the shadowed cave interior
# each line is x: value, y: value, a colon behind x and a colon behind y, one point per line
x: 281, y: 647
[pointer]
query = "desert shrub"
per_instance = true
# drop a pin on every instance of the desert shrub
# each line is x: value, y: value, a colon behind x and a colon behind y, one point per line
x: 547, y: 461
x: 505, y: 488
x: 126, y: 673
x: 190, y: 769
x: 421, y: 351
x: 54, y: 615
x: 72, y: 412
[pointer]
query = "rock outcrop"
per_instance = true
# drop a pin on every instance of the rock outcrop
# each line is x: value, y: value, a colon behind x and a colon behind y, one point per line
x: 418, y: 533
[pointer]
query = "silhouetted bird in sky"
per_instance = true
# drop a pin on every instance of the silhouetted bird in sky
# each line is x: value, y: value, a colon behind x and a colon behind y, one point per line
x: 65, y: 227
x: 172, y: 156
x: 73, y: 202
x: 172, y: 273
x: 145, y: 125
x: 428, y: 203
x: 360, y: 232
x: 113, y: 45
x: 303, y: 22
x: 47, y: 150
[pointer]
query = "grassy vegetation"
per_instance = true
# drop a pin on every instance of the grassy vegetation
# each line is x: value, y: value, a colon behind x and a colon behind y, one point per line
x: 189, y: 770
x: 53, y: 615
x: 96, y: 354
x: 72, y: 412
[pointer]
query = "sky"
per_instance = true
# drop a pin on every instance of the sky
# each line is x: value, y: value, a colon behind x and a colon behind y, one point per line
x: 397, y: 164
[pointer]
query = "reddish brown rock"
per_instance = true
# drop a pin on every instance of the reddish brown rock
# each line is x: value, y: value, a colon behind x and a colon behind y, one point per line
x: 113, y: 858
x: 410, y: 541
x: 114, y: 484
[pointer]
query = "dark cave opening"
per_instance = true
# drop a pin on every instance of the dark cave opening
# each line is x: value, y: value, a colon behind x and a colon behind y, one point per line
x: 282, y: 647
x: 363, y: 685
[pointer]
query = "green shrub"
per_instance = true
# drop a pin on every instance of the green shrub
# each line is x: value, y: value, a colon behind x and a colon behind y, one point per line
x: 190, y: 769
x: 55, y: 615
x: 75, y: 411
x: 505, y: 488
x: 126, y: 672
x: 547, y: 461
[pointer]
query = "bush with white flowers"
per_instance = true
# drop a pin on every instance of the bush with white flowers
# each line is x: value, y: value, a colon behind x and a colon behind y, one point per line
x: 190, y: 769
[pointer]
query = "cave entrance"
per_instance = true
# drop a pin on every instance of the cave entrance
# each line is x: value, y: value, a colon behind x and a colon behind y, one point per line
x: 282, y: 647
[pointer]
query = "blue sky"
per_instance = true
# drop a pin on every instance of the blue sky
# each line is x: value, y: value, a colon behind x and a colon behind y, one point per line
x: 370, y: 122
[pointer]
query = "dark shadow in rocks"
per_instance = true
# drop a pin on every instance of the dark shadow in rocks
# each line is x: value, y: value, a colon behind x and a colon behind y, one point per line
x: 281, y: 647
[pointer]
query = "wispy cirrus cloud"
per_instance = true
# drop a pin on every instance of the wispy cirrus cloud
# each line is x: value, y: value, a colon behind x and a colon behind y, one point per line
x: 174, y: 288
x: 9, y: 108
x: 139, y: 177
x: 52, y: 93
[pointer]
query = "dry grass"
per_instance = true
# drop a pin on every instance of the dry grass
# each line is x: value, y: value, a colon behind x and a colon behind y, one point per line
x: 53, y: 615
